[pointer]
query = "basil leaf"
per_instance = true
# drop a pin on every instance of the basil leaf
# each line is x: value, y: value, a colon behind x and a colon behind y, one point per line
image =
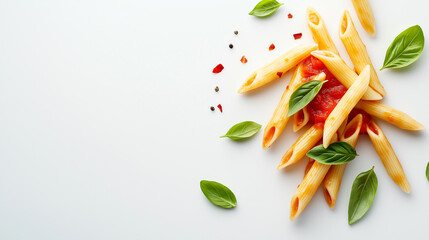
x: 218, y: 194
x: 427, y: 171
x: 336, y: 153
x: 362, y: 195
x: 242, y: 130
x: 303, y: 96
x: 265, y: 8
x: 405, y: 49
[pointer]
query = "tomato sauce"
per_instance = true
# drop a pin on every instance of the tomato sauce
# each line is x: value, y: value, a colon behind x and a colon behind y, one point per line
x: 330, y: 94
x: 365, y: 119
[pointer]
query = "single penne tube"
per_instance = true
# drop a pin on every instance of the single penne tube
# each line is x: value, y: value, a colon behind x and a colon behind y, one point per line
x: 301, y: 146
x: 345, y: 106
x: 319, y: 31
x: 365, y: 15
x: 281, y: 64
x: 300, y: 119
x: 387, y: 156
x: 389, y: 114
x: 280, y: 117
x: 307, y: 188
x: 357, y: 51
x: 332, y: 182
x: 342, y: 126
x: 343, y: 73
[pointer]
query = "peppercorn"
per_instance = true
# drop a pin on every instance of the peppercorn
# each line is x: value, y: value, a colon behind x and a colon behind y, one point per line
x: 216, y: 89
x: 212, y: 108
x: 236, y: 32
x: 231, y: 46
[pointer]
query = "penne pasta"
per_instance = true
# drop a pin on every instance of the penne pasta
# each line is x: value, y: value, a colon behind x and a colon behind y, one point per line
x: 365, y: 15
x: 345, y: 106
x: 319, y: 31
x: 307, y: 188
x: 343, y: 126
x: 301, y: 146
x: 282, y: 64
x: 357, y: 51
x: 343, y: 73
x: 280, y: 117
x: 387, y: 156
x: 300, y: 119
x: 389, y: 114
x: 332, y: 182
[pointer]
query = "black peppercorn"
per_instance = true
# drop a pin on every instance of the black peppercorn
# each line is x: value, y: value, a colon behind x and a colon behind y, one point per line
x: 212, y: 108
x: 236, y: 32
x: 217, y: 89
x: 231, y: 46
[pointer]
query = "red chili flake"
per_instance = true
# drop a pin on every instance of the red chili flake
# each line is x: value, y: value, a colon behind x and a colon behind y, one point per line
x: 279, y: 74
x: 297, y: 36
x: 220, y: 107
x: 290, y: 15
x: 218, y: 68
x: 271, y: 47
x: 243, y: 59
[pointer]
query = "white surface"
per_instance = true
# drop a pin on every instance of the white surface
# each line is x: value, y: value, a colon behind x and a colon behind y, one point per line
x: 105, y: 127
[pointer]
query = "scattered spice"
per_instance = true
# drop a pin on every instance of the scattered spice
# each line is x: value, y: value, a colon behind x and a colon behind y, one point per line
x: 279, y: 74
x: 218, y: 68
x: 297, y: 36
x: 290, y: 15
x: 216, y: 89
x: 243, y: 59
x: 212, y: 108
x: 236, y: 32
x: 231, y: 46
x: 220, y: 107
x: 271, y: 47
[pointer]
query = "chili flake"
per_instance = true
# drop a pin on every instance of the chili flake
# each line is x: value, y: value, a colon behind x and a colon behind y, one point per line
x: 218, y: 68
x: 279, y: 74
x: 220, y: 107
x: 290, y: 15
x: 271, y: 47
x: 297, y: 36
x: 243, y: 59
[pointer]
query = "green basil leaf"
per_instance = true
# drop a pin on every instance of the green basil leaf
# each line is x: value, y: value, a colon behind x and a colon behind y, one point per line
x: 303, y: 96
x: 336, y: 153
x: 265, y: 8
x: 405, y: 49
x: 218, y: 194
x: 362, y: 195
x: 242, y: 130
x: 427, y: 171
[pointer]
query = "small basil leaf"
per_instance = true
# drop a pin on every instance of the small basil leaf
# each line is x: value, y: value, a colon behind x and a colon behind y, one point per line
x: 218, y: 194
x: 405, y: 49
x: 265, y: 8
x: 362, y: 195
x: 427, y: 171
x: 303, y: 96
x: 242, y: 130
x: 336, y: 153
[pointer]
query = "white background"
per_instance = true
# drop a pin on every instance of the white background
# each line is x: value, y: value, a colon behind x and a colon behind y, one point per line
x: 106, y: 131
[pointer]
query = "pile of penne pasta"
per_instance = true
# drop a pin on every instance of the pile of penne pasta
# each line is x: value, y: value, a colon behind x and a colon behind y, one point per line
x: 364, y: 91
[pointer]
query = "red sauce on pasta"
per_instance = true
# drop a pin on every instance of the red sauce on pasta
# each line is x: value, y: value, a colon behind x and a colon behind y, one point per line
x: 365, y: 119
x: 330, y: 94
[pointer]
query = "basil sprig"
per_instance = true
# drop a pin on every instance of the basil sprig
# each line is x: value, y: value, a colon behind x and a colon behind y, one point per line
x: 427, y: 171
x: 405, y: 49
x: 362, y: 195
x: 336, y: 153
x: 218, y: 194
x: 242, y: 130
x: 303, y: 96
x: 265, y: 8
